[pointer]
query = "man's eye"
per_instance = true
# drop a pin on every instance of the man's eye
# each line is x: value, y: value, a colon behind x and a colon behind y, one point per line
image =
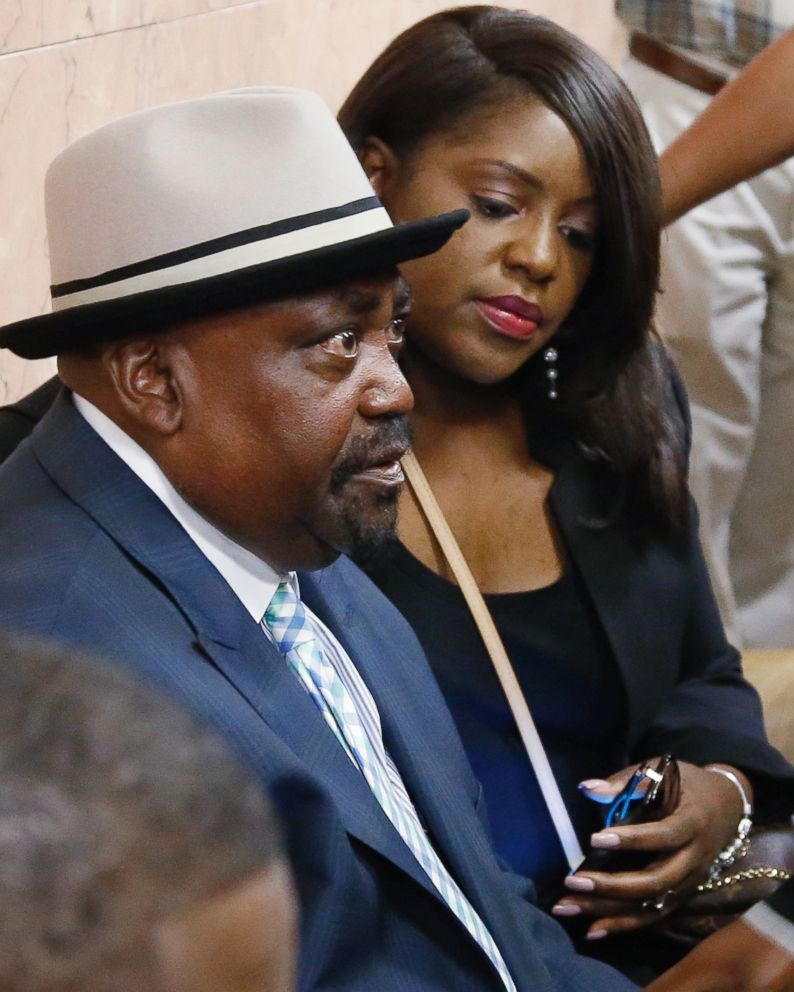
x: 344, y: 344
x: 395, y: 330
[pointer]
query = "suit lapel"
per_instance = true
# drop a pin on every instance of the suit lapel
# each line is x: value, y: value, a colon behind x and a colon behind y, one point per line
x: 286, y: 707
x: 144, y: 528
x: 410, y: 741
x: 428, y: 755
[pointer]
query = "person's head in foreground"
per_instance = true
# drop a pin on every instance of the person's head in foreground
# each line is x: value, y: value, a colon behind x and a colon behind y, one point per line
x: 515, y: 118
x: 135, y: 852
x: 225, y: 290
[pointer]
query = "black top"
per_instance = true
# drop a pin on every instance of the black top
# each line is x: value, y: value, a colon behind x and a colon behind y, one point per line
x: 569, y: 677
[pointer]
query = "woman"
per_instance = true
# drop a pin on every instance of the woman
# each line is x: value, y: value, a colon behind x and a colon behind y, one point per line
x: 561, y: 471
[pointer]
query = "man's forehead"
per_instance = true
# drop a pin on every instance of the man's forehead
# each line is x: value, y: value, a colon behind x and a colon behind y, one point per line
x: 364, y: 296
x: 356, y: 298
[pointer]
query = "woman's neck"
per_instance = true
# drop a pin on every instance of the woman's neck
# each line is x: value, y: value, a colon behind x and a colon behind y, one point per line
x: 471, y: 442
x: 451, y: 410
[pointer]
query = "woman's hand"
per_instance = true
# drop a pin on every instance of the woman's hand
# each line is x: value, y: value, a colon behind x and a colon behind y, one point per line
x: 687, y: 842
x: 735, y: 959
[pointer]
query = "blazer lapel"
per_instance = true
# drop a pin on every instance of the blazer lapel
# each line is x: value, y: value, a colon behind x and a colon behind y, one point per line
x: 146, y: 530
x: 615, y: 573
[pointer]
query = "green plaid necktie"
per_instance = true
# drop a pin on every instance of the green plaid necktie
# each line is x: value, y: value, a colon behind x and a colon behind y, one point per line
x: 297, y: 639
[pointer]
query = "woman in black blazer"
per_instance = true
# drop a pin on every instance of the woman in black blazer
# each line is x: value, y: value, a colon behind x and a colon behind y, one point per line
x: 554, y: 433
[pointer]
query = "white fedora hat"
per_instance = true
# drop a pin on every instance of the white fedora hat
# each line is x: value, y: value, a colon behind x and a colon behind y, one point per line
x: 203, y: 206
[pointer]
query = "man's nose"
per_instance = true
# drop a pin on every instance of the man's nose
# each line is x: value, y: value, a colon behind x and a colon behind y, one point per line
x: 386, y: 392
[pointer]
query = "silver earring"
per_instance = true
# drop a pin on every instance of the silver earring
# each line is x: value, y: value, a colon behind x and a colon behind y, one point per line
x: 552, y: 374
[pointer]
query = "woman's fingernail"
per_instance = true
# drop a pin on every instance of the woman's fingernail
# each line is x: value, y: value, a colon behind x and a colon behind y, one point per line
x: 594, y: 783
x: 579, y: 883
x: 597, y: 934
x: 566, y: 909
x: 605, y: 840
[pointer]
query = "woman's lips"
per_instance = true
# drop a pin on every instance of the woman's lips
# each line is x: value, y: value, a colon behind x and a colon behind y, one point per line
x: 512, y: 315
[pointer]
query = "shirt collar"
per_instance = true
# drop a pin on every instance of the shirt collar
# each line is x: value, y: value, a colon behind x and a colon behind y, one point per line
x: 252, y: 580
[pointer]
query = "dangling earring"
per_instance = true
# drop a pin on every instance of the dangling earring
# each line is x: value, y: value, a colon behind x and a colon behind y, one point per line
x: 550, y: 357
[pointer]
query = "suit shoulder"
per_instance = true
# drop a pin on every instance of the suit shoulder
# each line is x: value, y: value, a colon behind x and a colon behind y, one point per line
x: 55, y: 561
x: 36, y: 514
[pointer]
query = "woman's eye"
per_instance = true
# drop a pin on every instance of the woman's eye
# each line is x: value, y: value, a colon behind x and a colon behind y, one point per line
x: 580, y: 240
x: 395, y: 330
x: 344, y: 344
x: 491, y: 208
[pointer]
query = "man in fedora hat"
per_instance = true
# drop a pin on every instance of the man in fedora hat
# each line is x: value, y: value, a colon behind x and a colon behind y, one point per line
x: 227, y: 316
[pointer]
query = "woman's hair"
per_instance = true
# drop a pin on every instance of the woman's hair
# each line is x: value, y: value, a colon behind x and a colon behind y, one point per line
x: 615, y: 398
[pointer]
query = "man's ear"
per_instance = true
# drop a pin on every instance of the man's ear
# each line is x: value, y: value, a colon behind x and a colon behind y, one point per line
x: 380, y: 164
x: 145, y: 383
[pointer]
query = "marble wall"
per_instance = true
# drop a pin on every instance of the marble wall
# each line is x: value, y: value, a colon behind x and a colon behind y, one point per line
x: 67, y: 67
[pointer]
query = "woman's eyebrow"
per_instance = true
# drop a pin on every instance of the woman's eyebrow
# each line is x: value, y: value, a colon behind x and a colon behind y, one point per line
x: 529, y: 178
x: 526, y: 177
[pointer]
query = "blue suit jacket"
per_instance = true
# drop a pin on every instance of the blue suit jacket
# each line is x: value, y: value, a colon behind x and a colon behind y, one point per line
x: 89, y: 556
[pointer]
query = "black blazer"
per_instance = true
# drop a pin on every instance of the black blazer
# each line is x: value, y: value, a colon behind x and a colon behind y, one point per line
x: 683, y: 683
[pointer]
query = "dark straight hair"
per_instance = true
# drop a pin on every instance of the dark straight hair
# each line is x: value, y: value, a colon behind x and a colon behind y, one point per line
x: 615, y: 396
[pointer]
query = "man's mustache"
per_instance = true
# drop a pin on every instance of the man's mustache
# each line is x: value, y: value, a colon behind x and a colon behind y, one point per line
x: 387, y: 443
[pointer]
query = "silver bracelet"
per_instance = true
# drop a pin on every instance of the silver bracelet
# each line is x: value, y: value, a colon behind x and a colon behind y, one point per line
x: 740, y: 845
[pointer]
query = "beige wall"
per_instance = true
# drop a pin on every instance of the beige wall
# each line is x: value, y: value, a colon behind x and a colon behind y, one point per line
x: 68, y: 67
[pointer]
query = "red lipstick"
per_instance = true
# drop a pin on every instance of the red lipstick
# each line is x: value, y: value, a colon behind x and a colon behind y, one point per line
x: 512, y: 315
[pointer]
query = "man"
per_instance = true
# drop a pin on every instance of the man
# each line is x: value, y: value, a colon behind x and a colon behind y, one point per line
x: 227, y: 320
x: 134, y: 852
x: 727, y: 310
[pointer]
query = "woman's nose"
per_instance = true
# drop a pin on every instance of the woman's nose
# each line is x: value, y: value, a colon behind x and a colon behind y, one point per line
x: 534, y: 249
